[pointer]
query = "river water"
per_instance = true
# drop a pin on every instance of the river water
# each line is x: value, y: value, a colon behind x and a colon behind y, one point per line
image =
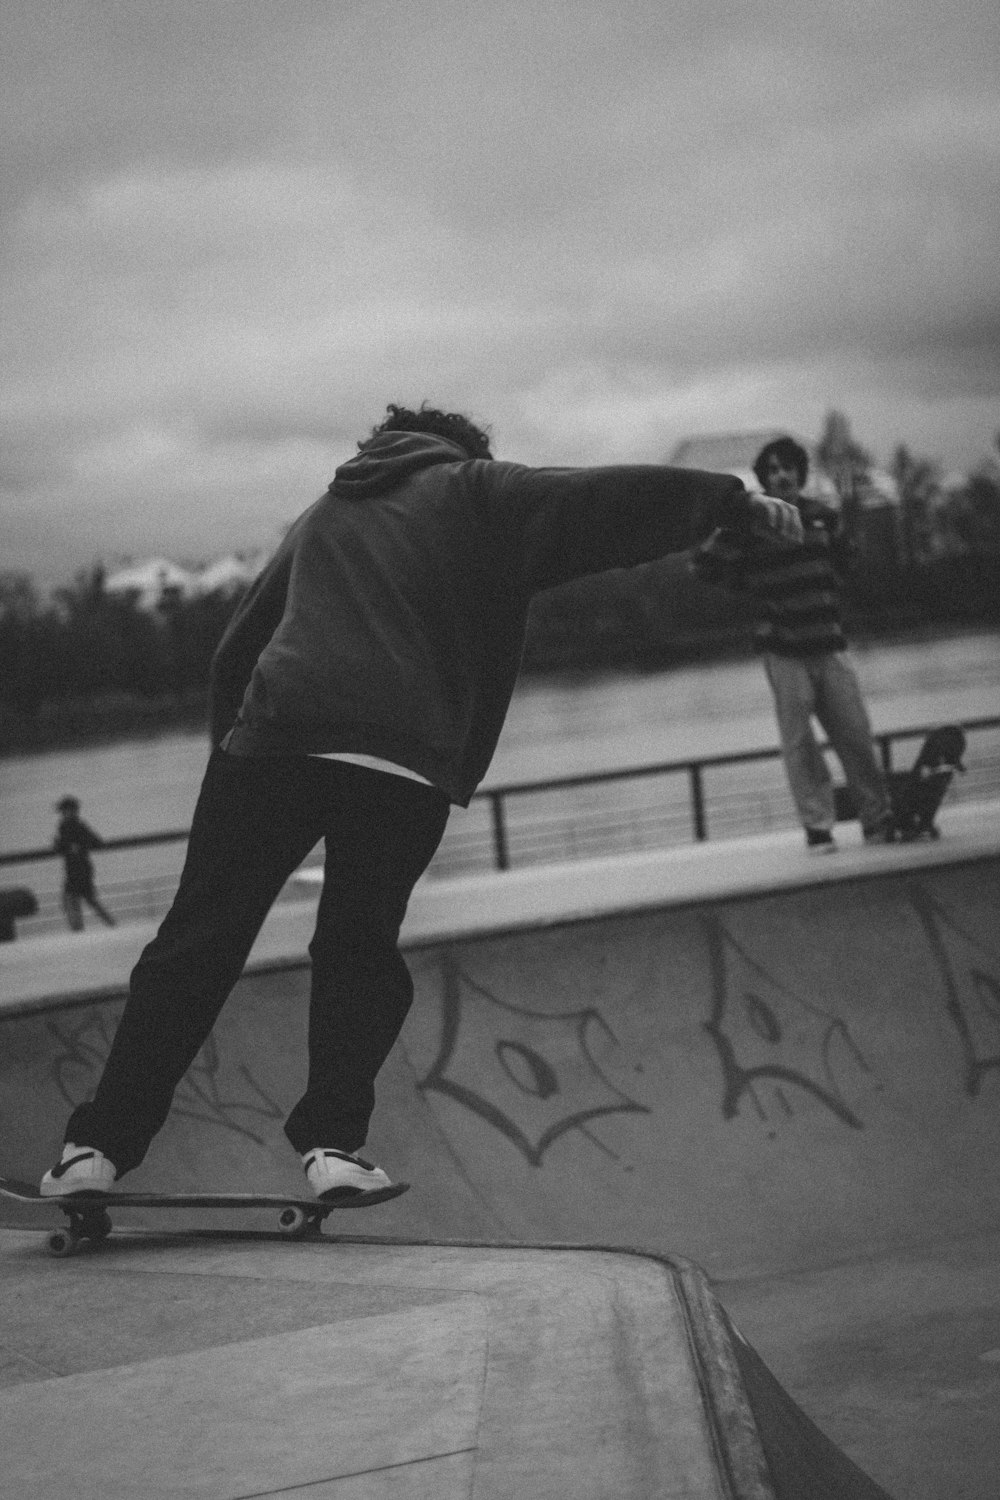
x: 555, y: 728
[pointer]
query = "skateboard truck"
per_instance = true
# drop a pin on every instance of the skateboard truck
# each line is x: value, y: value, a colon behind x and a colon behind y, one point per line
x: 87, y: 1221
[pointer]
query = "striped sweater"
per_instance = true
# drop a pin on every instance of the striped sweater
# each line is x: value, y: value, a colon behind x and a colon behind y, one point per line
x: 796, y: 590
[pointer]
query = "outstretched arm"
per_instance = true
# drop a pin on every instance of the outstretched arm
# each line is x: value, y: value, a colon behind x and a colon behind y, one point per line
x: 570, y: 522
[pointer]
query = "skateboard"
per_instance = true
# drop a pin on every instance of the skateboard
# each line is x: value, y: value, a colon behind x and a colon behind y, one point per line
x: 89, y: 1218
x: 916, y: 794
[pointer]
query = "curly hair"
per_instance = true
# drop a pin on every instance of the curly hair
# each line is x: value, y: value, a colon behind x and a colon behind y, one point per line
x: 787, y: 451
x: 446, y: 424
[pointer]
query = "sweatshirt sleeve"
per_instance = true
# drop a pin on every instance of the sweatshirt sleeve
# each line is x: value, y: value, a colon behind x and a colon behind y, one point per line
x: 256, y: 619
x: 719, y: 561
x: 570, y: 522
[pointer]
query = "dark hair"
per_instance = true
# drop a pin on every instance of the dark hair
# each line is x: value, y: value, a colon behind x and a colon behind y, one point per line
x: 787, y: 451
x: 446, y: 424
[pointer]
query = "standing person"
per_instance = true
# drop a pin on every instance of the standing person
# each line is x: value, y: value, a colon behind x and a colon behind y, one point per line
x: 800, y: 634
x: 359, y: 690
x: 74, y: 840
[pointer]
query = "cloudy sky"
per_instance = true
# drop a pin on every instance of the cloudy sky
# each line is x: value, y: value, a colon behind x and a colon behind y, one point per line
x: 234, y: 229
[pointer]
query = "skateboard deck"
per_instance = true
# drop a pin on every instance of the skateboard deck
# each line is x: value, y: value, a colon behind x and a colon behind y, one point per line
x: 89, y: 1218
x: 916, y: 795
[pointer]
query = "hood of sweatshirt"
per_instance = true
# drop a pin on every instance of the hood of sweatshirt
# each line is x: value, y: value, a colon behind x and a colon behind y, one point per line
x: 385, y: 461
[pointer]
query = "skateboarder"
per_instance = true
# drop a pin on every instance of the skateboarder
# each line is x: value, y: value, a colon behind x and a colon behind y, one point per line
x: 74, y: 840
x: 359, y: 690
x: 801, y: 638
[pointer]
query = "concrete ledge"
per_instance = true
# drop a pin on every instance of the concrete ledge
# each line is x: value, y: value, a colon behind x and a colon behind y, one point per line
x: 721, y: 869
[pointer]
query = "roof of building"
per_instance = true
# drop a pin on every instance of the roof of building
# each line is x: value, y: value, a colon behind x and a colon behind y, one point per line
x: 154, y: 575
x: 734, y: 453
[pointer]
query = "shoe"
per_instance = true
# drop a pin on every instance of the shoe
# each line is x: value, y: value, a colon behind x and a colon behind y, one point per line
x: 821, y: 840
x: 334, y: 1175
x: 82, y: 1170
x: 881, y: 832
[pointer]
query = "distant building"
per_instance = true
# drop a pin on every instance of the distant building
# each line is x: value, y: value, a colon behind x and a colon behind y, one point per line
x: 152, y: 583
x: 877, y: 505
x: 158, y: 581
x: 734, y: 453
x: 227, y: 575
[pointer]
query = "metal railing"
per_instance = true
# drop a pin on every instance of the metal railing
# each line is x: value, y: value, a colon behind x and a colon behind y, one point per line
x: 129, y: 841
x: 500, y: 798
x: 694, y: 769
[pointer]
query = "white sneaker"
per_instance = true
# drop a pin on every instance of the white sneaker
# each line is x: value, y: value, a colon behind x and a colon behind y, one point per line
x: 336, y: 1174
x: 81, y: 1169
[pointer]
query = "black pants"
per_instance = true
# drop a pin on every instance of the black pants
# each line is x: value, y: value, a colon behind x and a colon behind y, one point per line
x: 255, y: 822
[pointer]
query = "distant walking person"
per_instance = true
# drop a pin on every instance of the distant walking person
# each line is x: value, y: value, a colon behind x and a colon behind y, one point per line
x: 358, y: 691
x: 797, y: 592
x: 74, y: 840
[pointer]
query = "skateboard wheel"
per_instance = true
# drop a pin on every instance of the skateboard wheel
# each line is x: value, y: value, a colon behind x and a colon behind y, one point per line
x: 62, y: 1242
x: 293, y: 1221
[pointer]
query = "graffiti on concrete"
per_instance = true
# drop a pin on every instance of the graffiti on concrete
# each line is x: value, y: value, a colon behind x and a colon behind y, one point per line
x: 542, y: 1080
x: 82, y: 1048
x: 971, y: 990
x: 766, y: 1034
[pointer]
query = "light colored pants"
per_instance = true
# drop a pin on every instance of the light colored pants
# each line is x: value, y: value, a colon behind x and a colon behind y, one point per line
x: 825, y: 687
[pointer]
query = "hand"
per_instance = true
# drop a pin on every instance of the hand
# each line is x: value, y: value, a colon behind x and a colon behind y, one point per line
x: 775, y: 520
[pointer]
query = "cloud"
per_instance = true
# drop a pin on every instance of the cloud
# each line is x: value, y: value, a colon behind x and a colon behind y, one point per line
x: 171, y: 295
x: 233, y: 232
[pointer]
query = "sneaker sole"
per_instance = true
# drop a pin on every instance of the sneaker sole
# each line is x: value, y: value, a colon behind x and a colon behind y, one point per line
x: 76, y: 1193
x: 344, y: 1191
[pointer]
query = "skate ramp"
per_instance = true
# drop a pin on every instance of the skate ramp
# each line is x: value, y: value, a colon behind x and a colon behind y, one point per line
x: 247, y: 1367
x: 763, y: 1084
x: 769, y: 1084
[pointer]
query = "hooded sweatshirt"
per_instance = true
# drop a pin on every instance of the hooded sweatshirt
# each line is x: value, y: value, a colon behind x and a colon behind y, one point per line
x: 391, y: 620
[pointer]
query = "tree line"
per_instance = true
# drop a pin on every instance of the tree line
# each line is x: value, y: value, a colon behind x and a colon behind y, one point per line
x: 89, y: 664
